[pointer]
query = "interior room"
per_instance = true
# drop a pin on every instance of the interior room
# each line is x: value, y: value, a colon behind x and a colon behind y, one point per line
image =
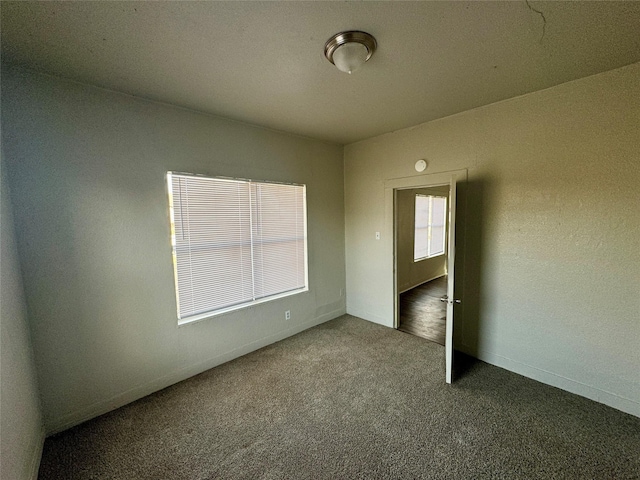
x: 524, y: 115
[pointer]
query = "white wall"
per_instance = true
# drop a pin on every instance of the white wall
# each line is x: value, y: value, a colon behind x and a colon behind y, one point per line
x: 87, y: 171
x: 21, y: 428
x: 410, y: 273
x: 549, y: 234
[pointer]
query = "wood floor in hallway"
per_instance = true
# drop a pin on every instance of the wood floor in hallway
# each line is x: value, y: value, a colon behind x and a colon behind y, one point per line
x: 421, y: 311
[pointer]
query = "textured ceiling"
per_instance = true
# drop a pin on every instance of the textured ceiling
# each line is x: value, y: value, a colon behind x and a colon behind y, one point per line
x: 263, y: 63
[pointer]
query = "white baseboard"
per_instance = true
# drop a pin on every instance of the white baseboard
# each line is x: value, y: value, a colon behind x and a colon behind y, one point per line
x: 369, y: 316
x: 610, y: 399
x: 99, y: 408
x: 405, y: 289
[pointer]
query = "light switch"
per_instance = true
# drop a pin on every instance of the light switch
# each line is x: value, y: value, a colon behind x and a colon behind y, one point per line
x: 377, y: 235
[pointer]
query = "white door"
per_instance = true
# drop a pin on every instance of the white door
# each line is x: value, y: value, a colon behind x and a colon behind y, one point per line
x: 449, y: 298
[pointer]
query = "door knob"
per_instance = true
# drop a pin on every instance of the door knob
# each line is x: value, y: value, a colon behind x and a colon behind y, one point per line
x: 445, y: 299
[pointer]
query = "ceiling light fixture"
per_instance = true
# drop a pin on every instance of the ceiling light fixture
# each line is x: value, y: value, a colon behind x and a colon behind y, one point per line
x: 349, y: 50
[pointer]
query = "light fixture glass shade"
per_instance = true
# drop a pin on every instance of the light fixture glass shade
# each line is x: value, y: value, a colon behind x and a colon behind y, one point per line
x: 348, y: 51
x: 350, y: 56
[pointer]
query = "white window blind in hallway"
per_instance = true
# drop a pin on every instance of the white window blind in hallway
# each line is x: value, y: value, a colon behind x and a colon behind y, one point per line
x: 235, y: 242
x: 430, y: 219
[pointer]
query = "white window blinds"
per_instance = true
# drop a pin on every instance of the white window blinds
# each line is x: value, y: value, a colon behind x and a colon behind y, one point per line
x: 235, y: 242
x: 430, y: 223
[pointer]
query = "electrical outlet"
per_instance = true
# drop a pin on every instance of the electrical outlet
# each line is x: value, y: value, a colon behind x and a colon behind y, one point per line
x: 287, y: 315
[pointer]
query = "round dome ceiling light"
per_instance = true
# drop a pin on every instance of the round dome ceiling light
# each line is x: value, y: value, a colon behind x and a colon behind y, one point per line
x: 348, y: 51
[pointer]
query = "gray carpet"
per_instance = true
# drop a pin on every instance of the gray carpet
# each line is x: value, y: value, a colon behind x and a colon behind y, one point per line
x: 350, y: 399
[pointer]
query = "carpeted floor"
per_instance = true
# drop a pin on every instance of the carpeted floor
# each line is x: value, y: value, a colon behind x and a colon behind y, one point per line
x: 350, y: 399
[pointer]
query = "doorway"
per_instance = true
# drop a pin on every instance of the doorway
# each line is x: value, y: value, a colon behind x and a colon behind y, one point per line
x: 421, y: 261
x: 392, y: 188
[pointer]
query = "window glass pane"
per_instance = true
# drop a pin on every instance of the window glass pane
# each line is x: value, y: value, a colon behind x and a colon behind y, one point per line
x: 421, y: 234
x: 436, y: 238
x: 279, y: 238
x: 212, y: 243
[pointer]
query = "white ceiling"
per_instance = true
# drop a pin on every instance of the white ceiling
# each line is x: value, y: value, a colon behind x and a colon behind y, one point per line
x: 263, y: 63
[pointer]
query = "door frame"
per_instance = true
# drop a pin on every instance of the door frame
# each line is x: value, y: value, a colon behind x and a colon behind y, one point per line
x: 391, y: 187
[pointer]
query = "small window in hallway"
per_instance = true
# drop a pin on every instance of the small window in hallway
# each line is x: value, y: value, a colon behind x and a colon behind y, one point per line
x: 430, y: 223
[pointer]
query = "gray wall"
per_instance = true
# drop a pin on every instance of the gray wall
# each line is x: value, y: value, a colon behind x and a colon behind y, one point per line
x: 411, y: 273
x: 549, y: 231
x: 87, y: 171
x: 20, y: 417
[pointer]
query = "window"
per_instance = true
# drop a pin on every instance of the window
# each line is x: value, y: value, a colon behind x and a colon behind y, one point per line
x: 235, y: 242
x: 430, y: 232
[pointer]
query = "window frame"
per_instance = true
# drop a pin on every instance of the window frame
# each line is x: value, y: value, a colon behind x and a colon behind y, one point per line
x: 240, y: 306
x: 430, y: 226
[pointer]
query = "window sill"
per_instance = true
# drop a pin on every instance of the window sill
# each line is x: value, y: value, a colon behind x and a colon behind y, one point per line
x: 416, y: 260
